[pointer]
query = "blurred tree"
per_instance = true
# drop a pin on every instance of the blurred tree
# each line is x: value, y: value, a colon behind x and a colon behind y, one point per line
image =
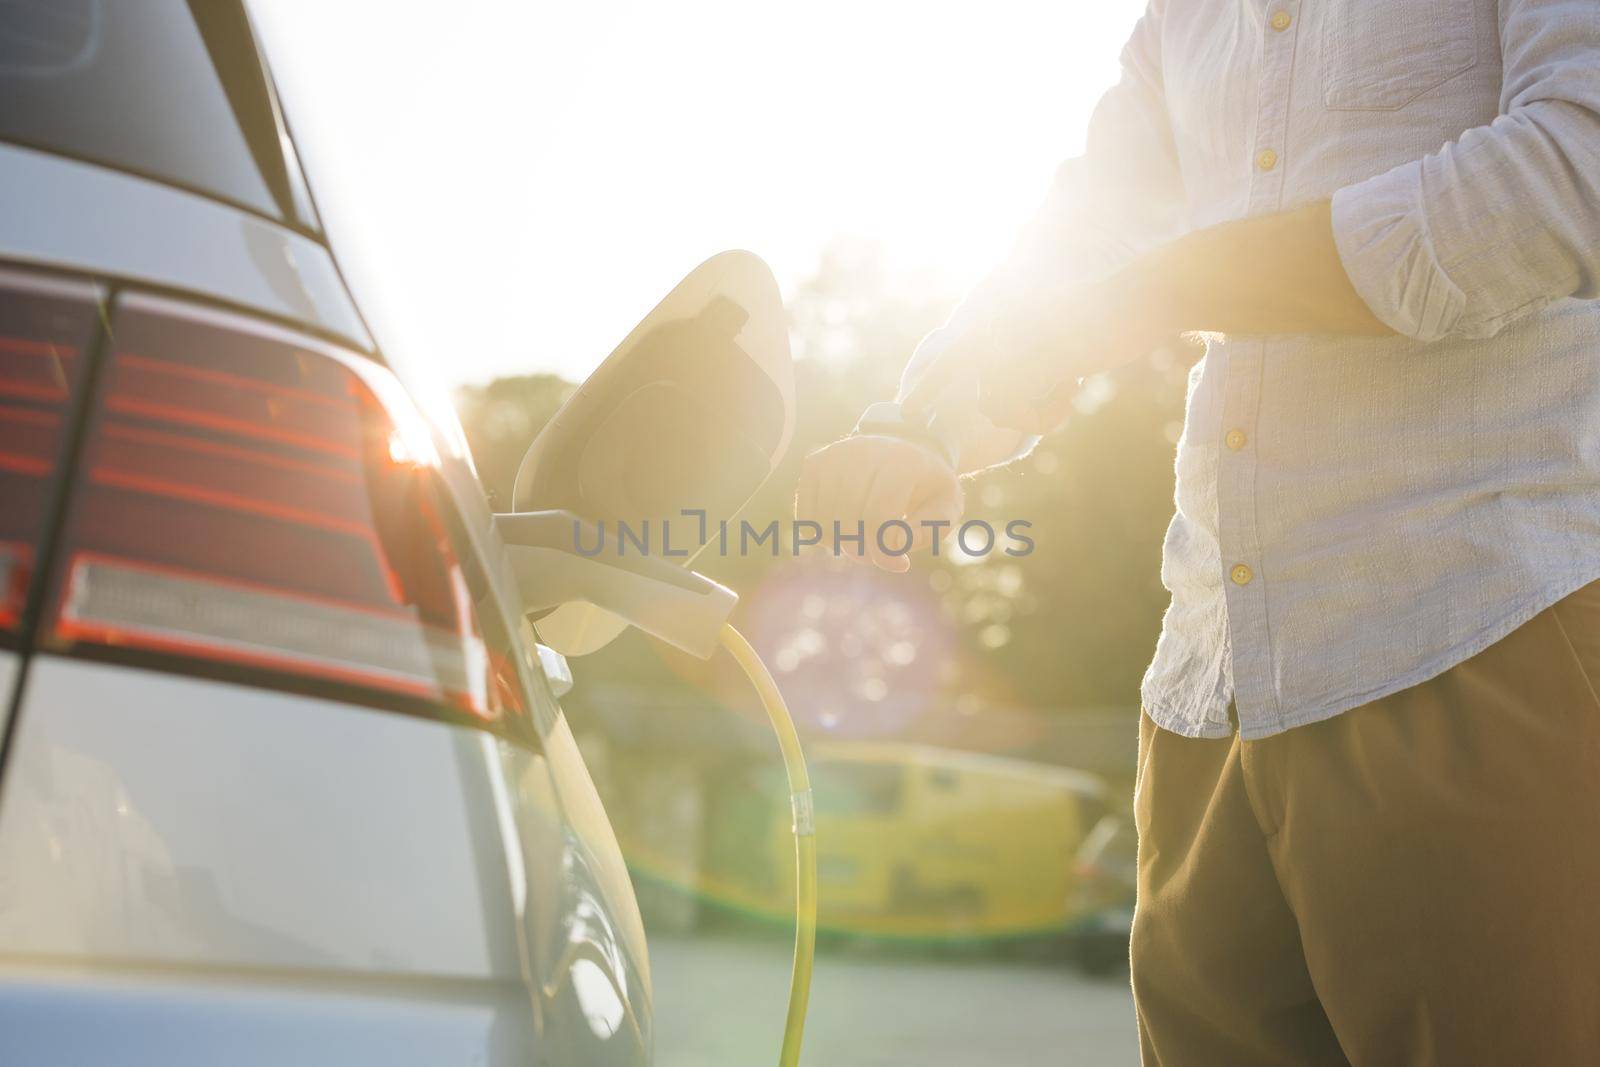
x: 501, y: 420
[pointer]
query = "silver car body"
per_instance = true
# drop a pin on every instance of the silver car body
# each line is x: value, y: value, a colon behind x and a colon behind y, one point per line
x: 194, y: 871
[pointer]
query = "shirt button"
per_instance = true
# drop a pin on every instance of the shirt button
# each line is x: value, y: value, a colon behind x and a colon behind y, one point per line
x: 1281, y: 20
x: 1235, y: 439
x: 1267, y: 159
x: 1241, y: 574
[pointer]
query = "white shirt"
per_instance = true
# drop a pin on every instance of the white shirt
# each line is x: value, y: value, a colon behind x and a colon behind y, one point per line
x: 1354, y: 515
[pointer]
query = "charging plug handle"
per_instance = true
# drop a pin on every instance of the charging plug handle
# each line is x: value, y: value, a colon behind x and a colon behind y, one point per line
x: 684, y: 609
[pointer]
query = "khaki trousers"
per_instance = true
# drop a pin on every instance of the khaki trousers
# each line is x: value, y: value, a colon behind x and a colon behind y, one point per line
x: 1416, y: 881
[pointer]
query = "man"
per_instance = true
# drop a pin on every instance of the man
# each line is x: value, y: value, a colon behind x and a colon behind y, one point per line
x: 1369, y: 781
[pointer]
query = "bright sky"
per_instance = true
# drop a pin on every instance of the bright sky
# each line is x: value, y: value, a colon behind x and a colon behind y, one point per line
x: 512, y: 185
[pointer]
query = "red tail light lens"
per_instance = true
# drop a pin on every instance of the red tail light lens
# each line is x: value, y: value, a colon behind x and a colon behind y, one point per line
x: 252, y: 498
x: 45, y: 331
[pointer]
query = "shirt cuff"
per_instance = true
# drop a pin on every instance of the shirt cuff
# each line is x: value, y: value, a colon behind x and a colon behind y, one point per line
x: 1382, y: 235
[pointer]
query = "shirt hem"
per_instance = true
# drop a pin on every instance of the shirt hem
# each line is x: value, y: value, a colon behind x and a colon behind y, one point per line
x: 1501, y: 628
x: 1172, y: 723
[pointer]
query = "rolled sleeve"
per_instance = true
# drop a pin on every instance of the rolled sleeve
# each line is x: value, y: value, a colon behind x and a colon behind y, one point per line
x: 1384, y: 244
x: 1504, y: 220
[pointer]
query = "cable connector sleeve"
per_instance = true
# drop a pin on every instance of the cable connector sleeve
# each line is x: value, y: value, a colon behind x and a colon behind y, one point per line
x: 805, y: 818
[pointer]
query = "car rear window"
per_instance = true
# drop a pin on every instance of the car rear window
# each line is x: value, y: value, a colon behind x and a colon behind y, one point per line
x: 135, y: 86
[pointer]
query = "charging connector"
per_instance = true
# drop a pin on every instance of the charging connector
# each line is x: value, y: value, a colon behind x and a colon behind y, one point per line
x: 690, y: 611
x: 678, y: 606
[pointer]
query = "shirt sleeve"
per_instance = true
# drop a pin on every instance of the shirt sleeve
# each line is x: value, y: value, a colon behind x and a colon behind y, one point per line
x: 1504, y: 220
x: 1121, y: 197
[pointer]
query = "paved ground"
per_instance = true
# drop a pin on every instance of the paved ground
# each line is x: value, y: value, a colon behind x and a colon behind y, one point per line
x: 720, y: 1003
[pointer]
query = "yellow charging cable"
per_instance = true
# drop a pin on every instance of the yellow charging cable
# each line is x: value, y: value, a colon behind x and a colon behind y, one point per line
x: 805, y: 840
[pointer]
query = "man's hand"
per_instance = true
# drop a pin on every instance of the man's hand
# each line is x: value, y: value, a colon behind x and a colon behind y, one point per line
x: 874, y: 480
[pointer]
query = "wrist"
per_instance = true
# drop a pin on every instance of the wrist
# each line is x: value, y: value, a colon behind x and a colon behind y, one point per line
x: 1091, y: 327
x: 1132, y: 311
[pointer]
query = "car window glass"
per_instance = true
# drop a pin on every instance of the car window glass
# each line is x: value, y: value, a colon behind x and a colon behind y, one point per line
x: 130, y: 85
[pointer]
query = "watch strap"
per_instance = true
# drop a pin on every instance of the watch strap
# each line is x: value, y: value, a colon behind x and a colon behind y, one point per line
x: 888, y: 418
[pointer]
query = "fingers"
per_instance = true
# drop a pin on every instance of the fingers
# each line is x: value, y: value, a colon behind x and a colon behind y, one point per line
x: 833, y: 486
x: 925, y: 495
x: 846, y: 516
x: 858, y: 487
x: 886, y: 502
x: 936, y: 515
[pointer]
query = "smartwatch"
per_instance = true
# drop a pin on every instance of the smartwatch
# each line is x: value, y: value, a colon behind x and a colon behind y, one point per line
x: 932, y: 431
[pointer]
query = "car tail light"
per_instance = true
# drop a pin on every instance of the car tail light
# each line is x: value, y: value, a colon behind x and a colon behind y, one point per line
x: 46, y: 328
x: 256, y: 500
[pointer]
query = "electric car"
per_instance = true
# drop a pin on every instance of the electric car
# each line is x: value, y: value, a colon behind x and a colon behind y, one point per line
x: 283, y: 779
